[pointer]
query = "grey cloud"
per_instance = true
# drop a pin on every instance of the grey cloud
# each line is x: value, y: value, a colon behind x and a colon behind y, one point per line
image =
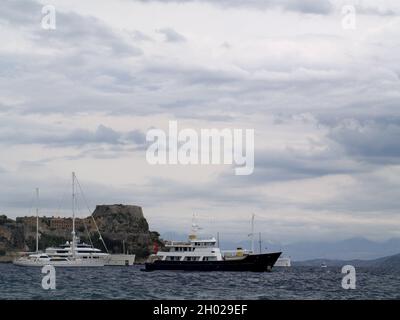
x: 371, y: 194
x: 303, y: 6
x: 375, y: 11
x: 140, y: 36
x: 296, y: 165
x: 282, y: 166
x: 22, y: 12
x: 137, y: 136
x: 72, y: 30
x: 171, y: 35
x: 88, y: 34
x: 371, y: 141
x: 321, y: 7
x: 165, y: 191
x: 60, y: 137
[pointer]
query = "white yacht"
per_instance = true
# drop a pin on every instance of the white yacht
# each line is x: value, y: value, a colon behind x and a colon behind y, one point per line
x: 82, y: 250
x: 42, y: 259
x: 69, y: 255
x: 192, y: 250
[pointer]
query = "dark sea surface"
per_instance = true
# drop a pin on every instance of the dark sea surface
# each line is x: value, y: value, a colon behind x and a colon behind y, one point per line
x: 132, y: 283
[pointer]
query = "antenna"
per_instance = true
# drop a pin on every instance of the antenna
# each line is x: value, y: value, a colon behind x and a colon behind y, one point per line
x: 259, y: 241
x: 194, y: 224
x: 73, y: 215
x: 37, y: 220
x: 252, y: 233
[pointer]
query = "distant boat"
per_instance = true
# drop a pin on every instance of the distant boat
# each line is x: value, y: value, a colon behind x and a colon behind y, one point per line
x: 69, y: 255
x: 323, y: 265
x: 283, y: 262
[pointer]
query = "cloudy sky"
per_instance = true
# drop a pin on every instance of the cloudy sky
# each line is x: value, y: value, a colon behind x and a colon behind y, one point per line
x: 324, y: 102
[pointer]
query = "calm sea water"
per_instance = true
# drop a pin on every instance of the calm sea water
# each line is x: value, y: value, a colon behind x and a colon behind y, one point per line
x: 131, y: 283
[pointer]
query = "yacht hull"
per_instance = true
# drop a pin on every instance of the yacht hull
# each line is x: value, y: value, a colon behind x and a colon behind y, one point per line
x: 63, y: 264
x: 253, y: 262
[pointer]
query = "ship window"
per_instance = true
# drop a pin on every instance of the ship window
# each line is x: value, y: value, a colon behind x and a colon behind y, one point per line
x: 192, y: 258
x: 172, y: 258
x: 209, y: 259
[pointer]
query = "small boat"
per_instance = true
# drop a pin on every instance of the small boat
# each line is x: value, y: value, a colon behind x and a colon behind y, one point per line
x: 283, y: 262
x: 323, y: 265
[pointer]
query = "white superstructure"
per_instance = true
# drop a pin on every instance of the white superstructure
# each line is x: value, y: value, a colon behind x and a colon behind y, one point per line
x: 42, y: 259
x: 283, y: 262
x: 82, y: 250
x: 121, y: 260
x: 192, y: 250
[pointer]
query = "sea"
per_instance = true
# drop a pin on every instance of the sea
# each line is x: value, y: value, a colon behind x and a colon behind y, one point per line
x: 132, y: 283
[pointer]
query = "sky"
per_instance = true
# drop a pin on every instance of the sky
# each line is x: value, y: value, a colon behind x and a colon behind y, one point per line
x: 322, y: 99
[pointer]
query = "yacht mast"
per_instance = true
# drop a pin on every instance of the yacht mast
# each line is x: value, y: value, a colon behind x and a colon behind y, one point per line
x: 37, y: 220
x: 73, y: 215
x: 252, y: 233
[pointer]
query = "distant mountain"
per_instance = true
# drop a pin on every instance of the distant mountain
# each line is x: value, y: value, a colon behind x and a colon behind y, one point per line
x: 349, y: 249
x: 390, y: 263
